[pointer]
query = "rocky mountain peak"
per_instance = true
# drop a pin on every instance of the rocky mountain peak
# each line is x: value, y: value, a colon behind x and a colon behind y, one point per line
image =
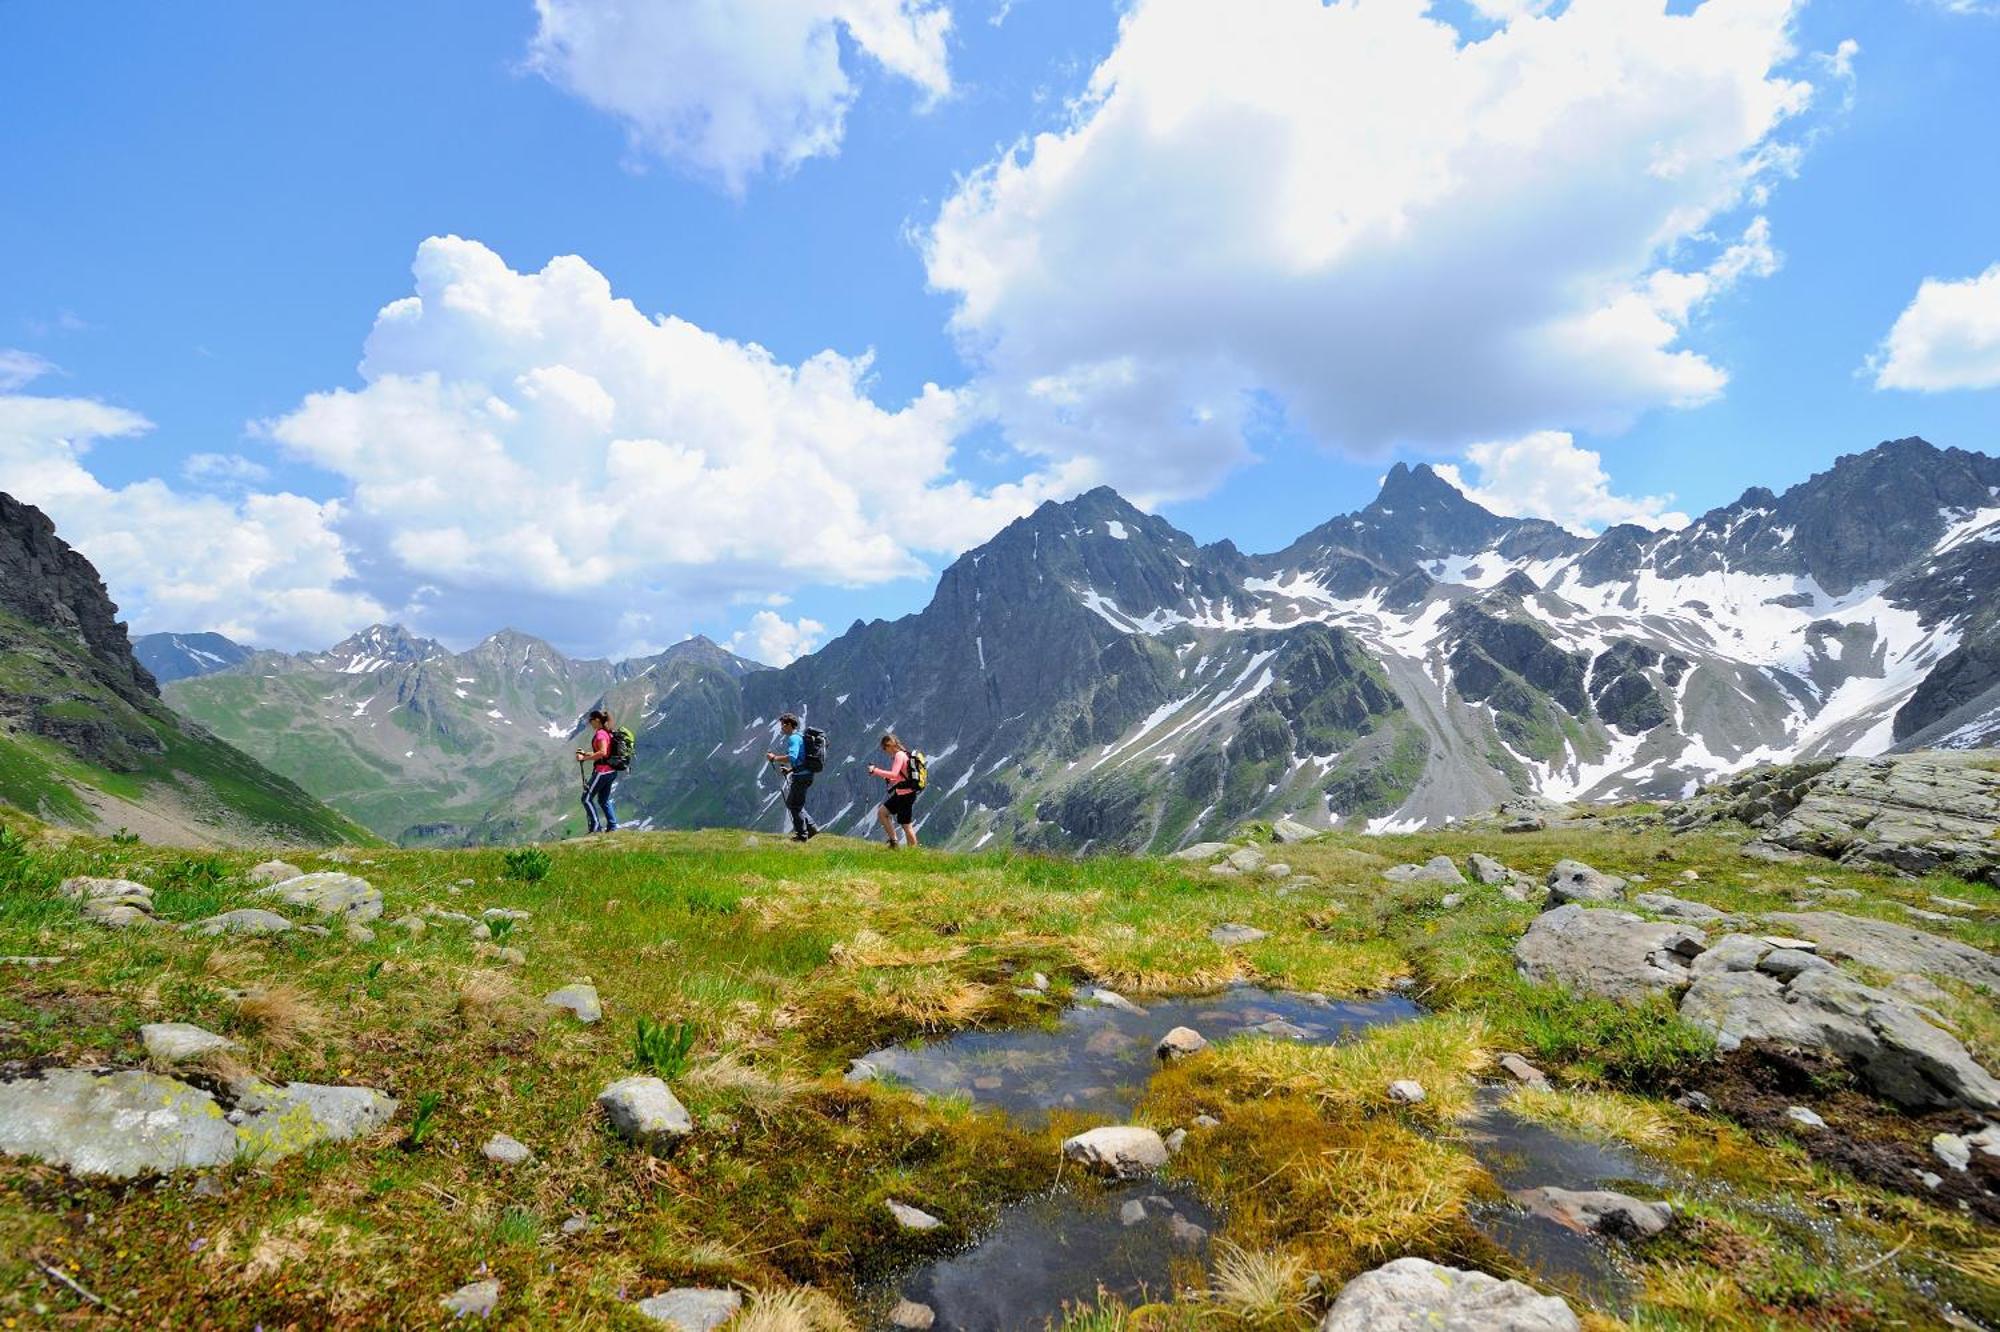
x: 377, y: 646
x: 48, y: 584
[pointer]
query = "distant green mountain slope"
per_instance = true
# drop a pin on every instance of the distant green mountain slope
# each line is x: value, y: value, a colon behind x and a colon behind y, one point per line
x: 84, y: 738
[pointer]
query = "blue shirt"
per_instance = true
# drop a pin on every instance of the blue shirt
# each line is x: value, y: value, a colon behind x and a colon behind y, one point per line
x: 795, y: 751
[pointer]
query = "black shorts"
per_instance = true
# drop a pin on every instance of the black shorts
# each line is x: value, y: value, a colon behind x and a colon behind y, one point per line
x: 900, y: 804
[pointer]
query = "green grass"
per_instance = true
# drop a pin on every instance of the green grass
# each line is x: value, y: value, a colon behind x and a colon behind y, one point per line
x: 759, y: 971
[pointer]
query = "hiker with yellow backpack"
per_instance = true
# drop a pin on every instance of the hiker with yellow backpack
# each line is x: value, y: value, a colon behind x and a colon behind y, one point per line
x: 610, y: 753
x: 907, y: 774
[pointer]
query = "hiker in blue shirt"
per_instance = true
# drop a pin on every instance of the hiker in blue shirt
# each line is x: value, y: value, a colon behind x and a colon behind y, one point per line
x: 798, y: 777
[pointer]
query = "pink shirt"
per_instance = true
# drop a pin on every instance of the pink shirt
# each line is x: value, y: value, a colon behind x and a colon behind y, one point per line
x: 898, y: 766
x: 601, y: 742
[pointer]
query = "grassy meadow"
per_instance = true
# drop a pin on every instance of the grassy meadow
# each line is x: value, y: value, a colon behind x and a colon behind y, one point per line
x: 761, y: 968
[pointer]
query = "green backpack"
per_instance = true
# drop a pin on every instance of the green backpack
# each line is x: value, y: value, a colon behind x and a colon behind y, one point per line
x: 622, y: 744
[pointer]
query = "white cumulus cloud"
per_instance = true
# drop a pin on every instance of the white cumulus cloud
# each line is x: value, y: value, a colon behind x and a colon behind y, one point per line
x: 1546, y: 475
x: 775, y: 641
x: 730, y: 88
x: 1398, y: 232
x: 261, y: 568
x: 531, y: 444
x: 1947, y: 338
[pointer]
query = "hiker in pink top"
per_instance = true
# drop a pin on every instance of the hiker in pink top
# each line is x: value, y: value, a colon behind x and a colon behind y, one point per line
x: 897, y: 810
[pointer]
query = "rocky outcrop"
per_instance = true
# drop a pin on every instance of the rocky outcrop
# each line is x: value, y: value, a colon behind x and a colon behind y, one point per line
x: 1889, y: 947
x: 1610, y: 953
x: 51, y: 586
x: 1918, y: 813
x: 1416, y: 1295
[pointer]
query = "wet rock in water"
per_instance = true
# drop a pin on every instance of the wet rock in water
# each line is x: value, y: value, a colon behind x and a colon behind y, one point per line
x: 1179, y: 1043
x: 247, y: 920
x: 1610, y: 953
x: 1486, y: 869
x: 1117, y: 1002
x: 912, y: 1218
x: 119, y: 1125
x: 1186, y: 1233
x: 1799, y: 1114
x: 503, y: 1150
x: 331, y: 893
x: 476, y: 1299
x: 692, y: 1308
x: 1438, y: 869
x: 911, y: 1316
x: 115, y: 903
x: 644, y: 1111
x: 1289, y: 831
x: 1573, y: 881
x: 1894, y: 1047
x: 579, y: 1000
x: 1290, y: 1031
x: 1524, y: 1072
x: 1676, y: 908
x: 1200, y: 851
x: 1953, y: 1150
x: 1406, y: 1091
x: 1121, y: 1152
x: 176, y: 1042
x: 1887, y: 947
x: 273, y: 1121
x: 1599, y: 1210
x: 1245, y: 859
x: 1229, y: 935
x: 273, y: 871
x: 1416, y: 1295
x: 1175, y: 1141
x: 860, y: 1070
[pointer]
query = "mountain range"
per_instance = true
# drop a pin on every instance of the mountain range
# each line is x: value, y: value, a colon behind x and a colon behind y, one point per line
x: 1093, y: 677
x: 84, y: 737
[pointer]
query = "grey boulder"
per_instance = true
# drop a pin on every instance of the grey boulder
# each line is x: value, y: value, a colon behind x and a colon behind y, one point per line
x: 273, y: 871
x: 1229, y: 935
x: 1200, y: 851
x: 1600, y: 1210
x: 1121, y: 1152
x: 1887, y: 947
x: 175, y: 1042
x: 1677, y: 908
x: 1438, y: 869
x: 331, y: 893
x: 1610, y: 953
x: 691, y: 1308
x: 245, y: 920
x: 1487, y: 870
x: 1289, y: 831
x: 273, y: 1122
x: 1574, y: 881
x: 118, y: 1125
x: 1245, y: 859
x: 579, y: 1000
x: 1416, y: 1295
x: 642, y: 1110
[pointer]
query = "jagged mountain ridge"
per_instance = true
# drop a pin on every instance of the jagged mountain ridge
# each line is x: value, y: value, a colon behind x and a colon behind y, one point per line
x: 423, y: 744
x: 84, y: 737
x: 1092, y: 676
x: 171, y: 657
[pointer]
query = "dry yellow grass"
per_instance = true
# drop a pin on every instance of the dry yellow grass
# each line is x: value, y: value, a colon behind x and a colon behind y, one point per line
x: 282, y: 1015
x: 799, y: 1309
x: 1260, y: 1287
x: 1610, y: 1116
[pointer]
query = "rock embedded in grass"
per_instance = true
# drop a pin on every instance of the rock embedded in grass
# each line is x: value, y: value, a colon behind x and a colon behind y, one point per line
x: 503, y: 1150
x: 1523, y: 1072
x: 1289, y: 831
x: 1416, y: 1295
x: 330, y: 893
x: 272, y: 871
x: 119, y: 1125
x: 642, y: 1110
x: 1485, y: 869
x: 912, y: 1218
x: 1180, y: 1043
x: 1175, y: 1141
x: 1406, y: 1091
x: 1573, y: 881
x: 1200, y: 851
x: 114, y: 903
x: 411, y: 925
x: 277, y: 1121
x: 1612, y: 954
x: 1600, y: 1210
x: 1245, y: 859
x: 1893, y: 948
x: 176, y: 1042
x: 1123, y: 1151
x: 245, y: 920
x: 692, y: 1308
x: 1231, y: 934
x: 579, y: 999
x: 1677, y: 908
x: 1438, y: 869
x: 910, y: 1316
x: 475, y: 1299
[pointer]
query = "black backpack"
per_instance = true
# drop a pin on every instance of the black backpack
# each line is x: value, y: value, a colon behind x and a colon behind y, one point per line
x: 813, y: 759
x: 620, y: 757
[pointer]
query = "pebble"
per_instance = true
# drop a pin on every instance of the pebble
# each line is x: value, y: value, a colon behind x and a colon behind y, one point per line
x: 507, y: 1151
x: 912, y: 1218
x: 173, y: 1042
x: 691, y: 1308
x: 1406, y: 1091
x: 476, y: 1299
x: 1185, y: 1232
x: 1953, y: 1150
x: 1132, y: 1213
x: 911, y: 1316
x: 1179, y: 1043
x: 1798, y: 1114
x: 579, y: 999
x: 1176, y: 1140
x: 1207, y: 1121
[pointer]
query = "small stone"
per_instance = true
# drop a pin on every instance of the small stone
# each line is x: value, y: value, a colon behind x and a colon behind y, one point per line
x: 859, y: 1070
x: 482, y: 932
x: 1486, y: 869
x: 1406, y: 1091
x: 477, y: 1299
x: 1599, y: 1210
x: 1226, y: 871
x: 1230, y: 935
x: 1176, y: 1140
x: 1206, y: 1121
x: 1246, y: 859
x: 578, y: 1225
x: 644, y: 1111
x: 175, y: 1042
x: 1132, y: 1213
x: 249, y: 920
x: 1186, y: 1233
x: 1277, y: 869
x: 691, y: 1308
x: 1113, y: 1000
x: 1930, y: 1179
x: 1953, y: 1150
x: 1200, y: 851
x: 507, y: 1151
x: 1289, y: 831
x: 1701, y: 1102
x: 506, y: 913
x: 578, y: 999
x: 1524, y: 1072
x: 412, y: 925
x: 273, y: 871
x: 510, y: 957
x: 361, y: 934
x: 1785, y: 963
x: 1039, y: 981
x: 911, y: 1316
x: 1121, y: 1151
x: 1290, y: 1031
x: 912, y: 1218
x: 1180, y: 1043
x: 1438, y: 869
x: 1799, y: 1114
x: 1690, y: 876
x: 1451, y: 901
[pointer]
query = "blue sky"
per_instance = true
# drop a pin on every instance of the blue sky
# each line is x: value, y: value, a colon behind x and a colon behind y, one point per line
x: 208, y: 207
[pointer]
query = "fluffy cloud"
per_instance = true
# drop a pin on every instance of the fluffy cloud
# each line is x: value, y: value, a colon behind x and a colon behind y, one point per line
x: 263, y: 568
x: 1397, y: 231
x: 1545, y: 475
x: 776, y: 641
x: 1948, y: 337
x: 729, y: 88
x: 530, y: 444
x: 222, y: 470
x: 20, y: 367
